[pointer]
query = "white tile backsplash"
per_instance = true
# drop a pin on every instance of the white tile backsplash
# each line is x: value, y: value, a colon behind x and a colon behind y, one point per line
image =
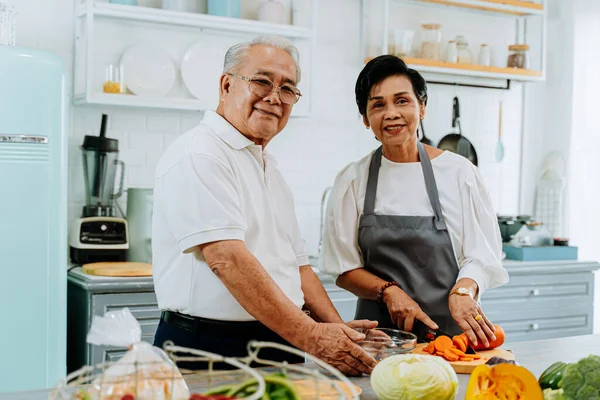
x: 310, y: 151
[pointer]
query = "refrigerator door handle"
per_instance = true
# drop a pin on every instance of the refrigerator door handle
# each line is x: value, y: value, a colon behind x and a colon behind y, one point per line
x: 23, y: 139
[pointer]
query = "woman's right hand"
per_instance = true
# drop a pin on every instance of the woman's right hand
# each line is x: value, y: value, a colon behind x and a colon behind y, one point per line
x: 404, y: 310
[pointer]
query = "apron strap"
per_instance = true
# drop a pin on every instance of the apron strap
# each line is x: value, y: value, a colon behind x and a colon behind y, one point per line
x: 431, y: 186
x: 369, y: 206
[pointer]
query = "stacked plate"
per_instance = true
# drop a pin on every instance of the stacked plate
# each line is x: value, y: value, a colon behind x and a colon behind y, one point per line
x: 151, y: 71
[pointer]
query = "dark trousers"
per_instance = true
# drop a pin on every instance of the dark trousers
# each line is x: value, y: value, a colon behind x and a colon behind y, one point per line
x: 226, y: 338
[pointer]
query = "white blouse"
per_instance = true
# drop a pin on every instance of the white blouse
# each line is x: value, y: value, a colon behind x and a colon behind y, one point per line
x: 466, y: 206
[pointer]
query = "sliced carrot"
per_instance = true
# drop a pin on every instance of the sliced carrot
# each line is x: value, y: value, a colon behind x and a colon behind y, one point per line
x: 450, y: 356
x: 431, y: 349
x: 459, y: 343
x: 467, y: 359
x: 442, y: 343
x: 474, y: 356
x: 457, y: 352
x: 439, y: 353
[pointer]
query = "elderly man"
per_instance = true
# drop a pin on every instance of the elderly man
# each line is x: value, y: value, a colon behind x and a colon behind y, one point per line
x: 229, y: 263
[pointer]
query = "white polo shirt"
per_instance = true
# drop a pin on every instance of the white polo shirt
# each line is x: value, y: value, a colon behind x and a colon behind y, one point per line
x: 214, y: 184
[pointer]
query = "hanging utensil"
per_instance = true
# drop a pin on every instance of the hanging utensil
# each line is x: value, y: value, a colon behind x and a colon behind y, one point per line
x: 500, y: 145
x: 456, y: 142
x: 424, y: 138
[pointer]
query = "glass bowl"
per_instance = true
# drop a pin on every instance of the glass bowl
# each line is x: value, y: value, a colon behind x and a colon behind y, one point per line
x: 381, y: 343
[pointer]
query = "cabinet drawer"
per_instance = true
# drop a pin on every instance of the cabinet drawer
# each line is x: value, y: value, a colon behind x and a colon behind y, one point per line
x: 143, y: 306
x: 544, y: 324
x: 541, y: 291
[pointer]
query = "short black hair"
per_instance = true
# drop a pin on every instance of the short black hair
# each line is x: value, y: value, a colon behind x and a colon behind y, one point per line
x: 381, y: 68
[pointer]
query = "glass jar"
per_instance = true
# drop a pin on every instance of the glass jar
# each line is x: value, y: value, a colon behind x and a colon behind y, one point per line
x: 485, y: 55
x: 464, y: 55
x: 452, y: 52
x: 518, y: 56
x: 114, y: 81
x: 432, y: 41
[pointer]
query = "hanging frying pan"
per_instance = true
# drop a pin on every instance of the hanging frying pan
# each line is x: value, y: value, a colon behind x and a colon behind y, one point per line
x: 424, y: 138
x: 456, y: 142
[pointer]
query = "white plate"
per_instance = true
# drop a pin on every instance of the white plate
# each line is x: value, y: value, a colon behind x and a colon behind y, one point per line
x: 201, y: 68
x: 148, y: 70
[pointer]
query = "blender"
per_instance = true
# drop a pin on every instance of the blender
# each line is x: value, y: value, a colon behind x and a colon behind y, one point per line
x: 99, y: 235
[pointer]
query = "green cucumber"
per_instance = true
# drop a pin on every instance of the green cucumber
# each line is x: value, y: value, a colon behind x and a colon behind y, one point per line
x: 552, y: 377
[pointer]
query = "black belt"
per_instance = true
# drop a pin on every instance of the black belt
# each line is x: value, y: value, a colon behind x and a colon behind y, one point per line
x: 228, y: 328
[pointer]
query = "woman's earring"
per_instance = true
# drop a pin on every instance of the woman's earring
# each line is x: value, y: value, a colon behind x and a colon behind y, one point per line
x: 368, y: 127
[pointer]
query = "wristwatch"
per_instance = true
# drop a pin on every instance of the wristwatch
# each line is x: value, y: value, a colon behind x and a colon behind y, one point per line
x: 461, y: 291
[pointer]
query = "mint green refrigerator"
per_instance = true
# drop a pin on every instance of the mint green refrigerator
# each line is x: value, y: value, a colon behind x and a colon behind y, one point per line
x: 33, y: 219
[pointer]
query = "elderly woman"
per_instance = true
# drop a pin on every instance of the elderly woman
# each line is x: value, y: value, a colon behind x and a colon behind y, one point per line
x: 410, y: 229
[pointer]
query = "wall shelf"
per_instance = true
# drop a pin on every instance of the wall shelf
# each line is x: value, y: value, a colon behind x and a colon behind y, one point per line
x: 530, y: 20
x: 441, y: 67
x: 128, y: 100
x: 508, y: 7
x: 152, y: 103
x: 95, y: 20
x: 194, y: 20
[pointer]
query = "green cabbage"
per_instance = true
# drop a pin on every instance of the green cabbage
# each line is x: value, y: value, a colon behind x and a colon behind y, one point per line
x: 414, y: 377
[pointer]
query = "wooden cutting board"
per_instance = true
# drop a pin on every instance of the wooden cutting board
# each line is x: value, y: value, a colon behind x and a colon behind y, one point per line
x: 466, y: 367
x: 118, y: 269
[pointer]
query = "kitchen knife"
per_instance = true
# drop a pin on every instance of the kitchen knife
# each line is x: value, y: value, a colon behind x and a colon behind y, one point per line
x: 434, y: 334
x: 425, y: 335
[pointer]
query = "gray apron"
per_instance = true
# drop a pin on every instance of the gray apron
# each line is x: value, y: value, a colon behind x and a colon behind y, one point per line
x: 414, y: 251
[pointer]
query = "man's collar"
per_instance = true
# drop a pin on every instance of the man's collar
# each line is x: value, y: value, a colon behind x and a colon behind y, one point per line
x: 225, y: 130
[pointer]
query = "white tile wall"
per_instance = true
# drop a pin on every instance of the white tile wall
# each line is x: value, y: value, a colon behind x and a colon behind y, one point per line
x: 309, y: 151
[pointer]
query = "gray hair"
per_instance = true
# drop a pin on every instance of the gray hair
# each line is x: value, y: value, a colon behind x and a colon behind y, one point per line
x: 236, y: 53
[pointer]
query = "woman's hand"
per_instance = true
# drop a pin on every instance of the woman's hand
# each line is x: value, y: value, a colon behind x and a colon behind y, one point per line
x: 404, y: 310
x: 471, y: 319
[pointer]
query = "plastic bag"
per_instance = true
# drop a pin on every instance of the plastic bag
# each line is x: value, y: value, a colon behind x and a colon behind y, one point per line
x: 144, y: 372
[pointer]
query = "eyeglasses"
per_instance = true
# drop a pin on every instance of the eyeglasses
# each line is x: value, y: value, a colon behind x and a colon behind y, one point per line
x: 264, y: 87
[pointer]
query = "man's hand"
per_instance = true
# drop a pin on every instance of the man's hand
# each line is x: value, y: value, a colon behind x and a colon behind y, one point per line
x: 362, y: 324
x: 334, y: 344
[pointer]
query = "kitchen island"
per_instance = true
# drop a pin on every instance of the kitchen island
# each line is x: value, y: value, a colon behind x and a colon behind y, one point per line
x: 533, y: 355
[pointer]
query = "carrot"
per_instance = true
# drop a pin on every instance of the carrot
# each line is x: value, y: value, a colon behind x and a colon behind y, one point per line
x: 442, y: 343
x: 431, y: 348
x: 457, y: 352
x: 459, y: 343
x: 450, y: 355
x: 439, y: 353
x: 466, y: 359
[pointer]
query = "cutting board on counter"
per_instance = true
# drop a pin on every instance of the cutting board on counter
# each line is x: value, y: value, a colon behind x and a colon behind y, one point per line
x: 118, y: 269
x: 466, y: 367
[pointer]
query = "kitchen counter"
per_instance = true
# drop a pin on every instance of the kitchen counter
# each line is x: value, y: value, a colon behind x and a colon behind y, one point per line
x: 109, y: 284
x: 112, y: 284
x: 534, y: 355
